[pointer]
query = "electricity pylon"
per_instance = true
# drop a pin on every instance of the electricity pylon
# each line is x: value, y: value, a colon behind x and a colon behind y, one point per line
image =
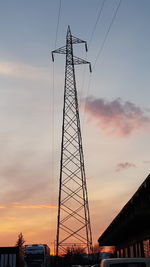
x: 73, y: 221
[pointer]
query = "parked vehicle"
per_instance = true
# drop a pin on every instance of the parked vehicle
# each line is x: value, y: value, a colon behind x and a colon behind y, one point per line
x: 126, y: 262
x: 37, y: 255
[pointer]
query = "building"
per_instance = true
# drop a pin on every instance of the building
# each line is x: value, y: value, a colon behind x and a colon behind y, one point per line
x: 11, y: 257
x: 129, y: 232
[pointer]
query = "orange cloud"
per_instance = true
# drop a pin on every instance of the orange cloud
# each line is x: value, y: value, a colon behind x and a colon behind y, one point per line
x: 116, y: 117
x: 10, y: 218
x: 35, y: 206
x: 124, y: 165
x: 2, y: 207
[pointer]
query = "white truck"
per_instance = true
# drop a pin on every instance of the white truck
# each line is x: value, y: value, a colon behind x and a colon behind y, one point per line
x: 37, y: 255
x: 125, y: 262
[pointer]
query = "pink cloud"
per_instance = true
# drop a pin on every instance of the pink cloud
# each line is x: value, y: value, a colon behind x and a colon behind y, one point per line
x: 146, y: 161
x: 116, y: 117
x: 124, y: 165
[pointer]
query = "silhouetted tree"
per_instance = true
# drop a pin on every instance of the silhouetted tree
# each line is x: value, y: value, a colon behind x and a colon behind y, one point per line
x: 74, y: 255
x: 20, y: 241
x: 96, y: 248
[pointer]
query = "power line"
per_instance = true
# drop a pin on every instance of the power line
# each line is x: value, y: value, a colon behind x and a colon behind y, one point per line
x: 107, y: 33
x: 58, y: 20
x: 90, y: 41
x: 101, y: 47
x: 97, y: 20
x: 53, y: 87
x: 53, y: 101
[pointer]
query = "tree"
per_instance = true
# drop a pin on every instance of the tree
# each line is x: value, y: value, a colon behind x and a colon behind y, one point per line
x: 96, y: 248
x: 20, y: 241
x: 75, y: 250
x: 74, y: 255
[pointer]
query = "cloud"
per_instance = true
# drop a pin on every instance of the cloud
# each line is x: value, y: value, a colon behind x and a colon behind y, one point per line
x: 24, y: 192
x: 124, y: 165
x: 2, y: 207
x: 24, y: 71
x: 116, y: 117
x: 24, y: 176
x: 10, y: 218
x: 35, y: 206
x: 146, y: 161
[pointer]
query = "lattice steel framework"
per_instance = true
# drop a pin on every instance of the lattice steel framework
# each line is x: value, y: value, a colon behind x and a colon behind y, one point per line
x: 73, y: 222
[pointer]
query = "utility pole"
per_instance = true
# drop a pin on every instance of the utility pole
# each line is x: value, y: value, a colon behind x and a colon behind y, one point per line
x: 73, y: 221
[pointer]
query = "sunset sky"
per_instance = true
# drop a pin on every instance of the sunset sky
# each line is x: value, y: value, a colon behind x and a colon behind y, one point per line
x: 114, y: 109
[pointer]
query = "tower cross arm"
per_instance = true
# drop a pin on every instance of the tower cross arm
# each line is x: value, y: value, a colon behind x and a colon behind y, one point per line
x: 76, y: 40
x: 61, y: 50
x: 78, y: 61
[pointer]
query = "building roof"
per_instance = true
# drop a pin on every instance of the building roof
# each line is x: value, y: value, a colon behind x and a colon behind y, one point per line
x: 133, y: 221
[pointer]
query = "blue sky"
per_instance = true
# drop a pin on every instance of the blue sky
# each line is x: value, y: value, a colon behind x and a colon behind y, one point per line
x: 29, y: 168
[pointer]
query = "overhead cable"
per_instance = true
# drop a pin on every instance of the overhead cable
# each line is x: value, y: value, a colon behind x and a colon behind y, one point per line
x: 96, y: 22
x: 53, y: 98
x: 58, y: 20
x: 107, y: 33
x: 101, y: 47
x: 90, y: 41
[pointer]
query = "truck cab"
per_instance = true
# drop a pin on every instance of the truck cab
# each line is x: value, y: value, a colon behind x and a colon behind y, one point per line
x: 34, y: 254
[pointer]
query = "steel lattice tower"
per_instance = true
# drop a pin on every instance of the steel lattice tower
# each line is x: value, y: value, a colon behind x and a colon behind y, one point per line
x: 73, y: 222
